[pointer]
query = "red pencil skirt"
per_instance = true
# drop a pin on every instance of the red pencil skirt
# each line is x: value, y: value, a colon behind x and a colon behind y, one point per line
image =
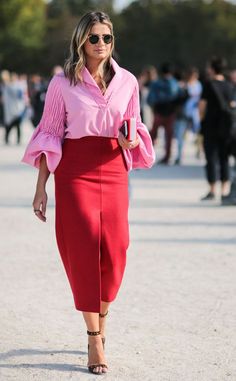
x: 91, y: 192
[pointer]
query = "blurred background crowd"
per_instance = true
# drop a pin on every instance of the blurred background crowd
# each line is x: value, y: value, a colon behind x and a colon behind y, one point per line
x: 175, y: 48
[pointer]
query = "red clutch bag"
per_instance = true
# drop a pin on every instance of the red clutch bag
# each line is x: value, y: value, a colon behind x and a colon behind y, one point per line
x: 129, y: 129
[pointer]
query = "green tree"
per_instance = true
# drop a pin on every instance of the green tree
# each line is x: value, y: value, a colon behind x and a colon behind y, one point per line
x: 186, y: 32
x: 35, y: 35
x: 22, y: 27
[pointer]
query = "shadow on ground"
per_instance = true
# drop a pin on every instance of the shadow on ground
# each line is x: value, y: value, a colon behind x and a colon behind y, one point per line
x: 65, y: 367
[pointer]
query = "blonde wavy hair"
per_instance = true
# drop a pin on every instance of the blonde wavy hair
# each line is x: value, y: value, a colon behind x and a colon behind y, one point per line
x: 77, y: 60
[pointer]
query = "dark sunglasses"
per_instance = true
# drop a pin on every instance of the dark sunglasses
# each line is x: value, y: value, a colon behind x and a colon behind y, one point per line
x: 94, y: 38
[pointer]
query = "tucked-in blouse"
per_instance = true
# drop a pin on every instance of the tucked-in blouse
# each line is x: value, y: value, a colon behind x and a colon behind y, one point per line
x: 76, y: 111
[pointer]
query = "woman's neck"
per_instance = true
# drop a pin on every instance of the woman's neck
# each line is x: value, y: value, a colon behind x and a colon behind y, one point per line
x: 95, y: 68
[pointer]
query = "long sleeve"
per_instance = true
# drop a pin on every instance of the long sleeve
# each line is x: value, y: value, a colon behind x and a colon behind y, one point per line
x: 143, y: 156
x: 48, y: 136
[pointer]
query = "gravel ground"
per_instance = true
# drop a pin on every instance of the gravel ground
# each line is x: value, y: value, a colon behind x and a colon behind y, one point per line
x: 175, y: 316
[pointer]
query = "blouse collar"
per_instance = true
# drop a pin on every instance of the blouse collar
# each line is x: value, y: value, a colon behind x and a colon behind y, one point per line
x: 87, y: 77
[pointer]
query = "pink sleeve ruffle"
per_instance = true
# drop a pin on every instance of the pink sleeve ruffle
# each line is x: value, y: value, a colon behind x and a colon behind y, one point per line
x: 143, y: 156
x: 48, y: 136
x: 43, y: 143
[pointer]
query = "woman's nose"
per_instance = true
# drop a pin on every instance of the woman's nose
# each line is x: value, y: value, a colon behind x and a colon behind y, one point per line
x: 100, y: 41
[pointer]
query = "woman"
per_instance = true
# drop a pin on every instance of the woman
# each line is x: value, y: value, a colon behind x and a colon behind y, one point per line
x: 14, y: 100
x: 214, y: 127
x: 188, y: 112
x: 194, y: 87
x: 78, y: 138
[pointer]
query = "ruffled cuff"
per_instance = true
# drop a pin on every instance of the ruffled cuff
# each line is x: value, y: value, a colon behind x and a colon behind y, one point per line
x: 43, y: 142
x: 143, y: 156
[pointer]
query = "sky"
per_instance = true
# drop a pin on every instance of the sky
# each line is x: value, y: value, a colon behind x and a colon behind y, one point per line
x: 119, y: 4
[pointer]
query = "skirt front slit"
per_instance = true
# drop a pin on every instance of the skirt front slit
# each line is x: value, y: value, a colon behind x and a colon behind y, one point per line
x: 91, y: 191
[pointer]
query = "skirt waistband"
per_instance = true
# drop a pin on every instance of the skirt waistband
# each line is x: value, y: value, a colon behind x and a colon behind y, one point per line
x: 91, y: 153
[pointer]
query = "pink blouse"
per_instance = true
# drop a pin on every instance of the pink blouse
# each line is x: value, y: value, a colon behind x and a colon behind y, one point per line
x: 72, y: 112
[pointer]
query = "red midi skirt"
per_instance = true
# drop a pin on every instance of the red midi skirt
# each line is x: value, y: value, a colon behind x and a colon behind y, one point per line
x: 91, y: 192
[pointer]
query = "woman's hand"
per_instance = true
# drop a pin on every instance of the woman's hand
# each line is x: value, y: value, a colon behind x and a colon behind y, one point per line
x: 41, y: 198
x: 40, y: 204
x: 126, y: 144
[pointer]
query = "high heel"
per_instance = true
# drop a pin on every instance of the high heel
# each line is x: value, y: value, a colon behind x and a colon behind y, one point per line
x: 103, y: 338
x: 93, y: 366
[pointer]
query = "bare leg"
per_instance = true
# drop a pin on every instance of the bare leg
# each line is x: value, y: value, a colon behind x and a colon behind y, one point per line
x: 213, y: 188
x: 225, y: 188
x: 96, y: 352
x: 102, y: 320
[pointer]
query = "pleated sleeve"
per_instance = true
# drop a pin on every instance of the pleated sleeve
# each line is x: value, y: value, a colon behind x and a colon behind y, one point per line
x: 143, y: 156
x: 48, y: 136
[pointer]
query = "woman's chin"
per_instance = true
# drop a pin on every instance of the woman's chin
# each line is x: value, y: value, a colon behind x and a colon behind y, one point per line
x: 100, y: 55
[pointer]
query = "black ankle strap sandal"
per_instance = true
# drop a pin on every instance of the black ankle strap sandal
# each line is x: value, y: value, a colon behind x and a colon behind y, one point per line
x: 103, y: 338
x: 93, y: 366
x: 93, y: 333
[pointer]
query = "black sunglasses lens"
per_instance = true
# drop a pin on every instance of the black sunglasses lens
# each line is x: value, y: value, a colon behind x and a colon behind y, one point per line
x: 107, y: 38
x: 93, y: 39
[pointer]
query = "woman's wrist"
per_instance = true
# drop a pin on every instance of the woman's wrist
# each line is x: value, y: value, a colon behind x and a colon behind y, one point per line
x: 40, y: 187
x: 41, y: 183
x: 43, y: 175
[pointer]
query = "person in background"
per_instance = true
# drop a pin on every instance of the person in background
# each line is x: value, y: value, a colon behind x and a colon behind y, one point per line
x: 23, y: 88
x: 194, y: 88
x: 14, y: 103
x: 37, y: 90
x: 163, y: 93
x: 141, y: 80
x: 1, y: 102
x: 230, y: 199
x: 187, y: 116
x: 147, y: 76
x: 213, y: 127
x: 37, y: 93
x: 180, y: 124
